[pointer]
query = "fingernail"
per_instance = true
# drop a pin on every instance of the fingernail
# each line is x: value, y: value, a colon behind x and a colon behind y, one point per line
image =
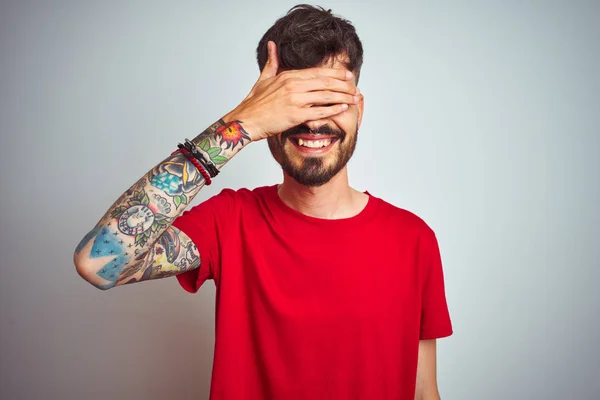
x: 349, y: 75
x: 356, y: 99
x: 344, y: 106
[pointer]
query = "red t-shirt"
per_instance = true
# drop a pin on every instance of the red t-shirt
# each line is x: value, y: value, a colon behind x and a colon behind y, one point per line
x: 308, y: 308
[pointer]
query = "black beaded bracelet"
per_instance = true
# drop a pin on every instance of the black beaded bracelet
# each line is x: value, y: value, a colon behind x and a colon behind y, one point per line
x: 206, y: 163
x: 195, y: 156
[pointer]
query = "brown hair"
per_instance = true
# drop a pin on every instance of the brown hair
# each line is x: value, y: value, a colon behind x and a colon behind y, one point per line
x: 309, y: 35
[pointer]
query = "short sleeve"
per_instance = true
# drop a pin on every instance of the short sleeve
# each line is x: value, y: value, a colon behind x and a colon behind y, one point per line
x: 204, y: 224
x: 435, y: 317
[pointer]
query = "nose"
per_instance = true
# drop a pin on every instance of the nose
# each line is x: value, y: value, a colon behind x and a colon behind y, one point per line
x: 314, y: 125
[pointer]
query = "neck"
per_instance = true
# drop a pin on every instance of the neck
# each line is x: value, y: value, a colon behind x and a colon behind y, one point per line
x: 333, y: 200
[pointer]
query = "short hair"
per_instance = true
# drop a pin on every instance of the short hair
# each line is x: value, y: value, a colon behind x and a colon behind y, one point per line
x: 309, y: 35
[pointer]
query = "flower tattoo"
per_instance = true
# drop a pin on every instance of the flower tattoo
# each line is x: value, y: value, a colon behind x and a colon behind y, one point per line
x: 232, y: 134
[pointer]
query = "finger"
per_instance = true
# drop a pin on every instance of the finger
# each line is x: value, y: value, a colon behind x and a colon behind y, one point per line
x: 272, y: 65
x: 315, y: 124
x: 316, y: 113
x: 274, y: 59
x: 297, y: 85
x: 322, y: 72
x: 325, y: 97
x: 267, y: 71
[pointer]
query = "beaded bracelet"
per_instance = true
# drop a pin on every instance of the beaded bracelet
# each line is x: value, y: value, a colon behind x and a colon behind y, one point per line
x: 210, y: 167
x: 195, y: 154
x: 199, y: 167
x: 206, y: 162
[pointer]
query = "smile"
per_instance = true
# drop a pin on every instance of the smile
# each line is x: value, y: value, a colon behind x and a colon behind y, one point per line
x: 313, y: 144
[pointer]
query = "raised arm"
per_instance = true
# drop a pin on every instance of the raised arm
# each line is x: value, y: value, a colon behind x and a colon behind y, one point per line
x: 125, y: 244
x: 122, y: 246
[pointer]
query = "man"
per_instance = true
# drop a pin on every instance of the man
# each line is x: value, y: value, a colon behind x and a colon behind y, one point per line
x: 323, y: 292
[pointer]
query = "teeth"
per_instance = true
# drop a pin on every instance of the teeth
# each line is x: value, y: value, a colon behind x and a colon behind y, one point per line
x: 314, y: 144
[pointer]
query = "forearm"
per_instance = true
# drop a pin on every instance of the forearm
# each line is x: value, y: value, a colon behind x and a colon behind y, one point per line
x: 430, y: 396
x: 129, y: 228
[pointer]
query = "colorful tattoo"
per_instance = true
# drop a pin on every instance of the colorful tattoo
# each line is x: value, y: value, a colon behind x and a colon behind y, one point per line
x: 161, y: 204
x: 107, y: 243
x: 86, y: 239
x: 135, y: 241
x: 170, y: 242
x: 177, y: 177
x: 232, y: 134
x: 164, y: 261
x: 211, y: 141
x: 138, y: 219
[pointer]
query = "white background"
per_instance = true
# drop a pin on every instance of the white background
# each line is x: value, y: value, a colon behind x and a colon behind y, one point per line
x: 480, y: 117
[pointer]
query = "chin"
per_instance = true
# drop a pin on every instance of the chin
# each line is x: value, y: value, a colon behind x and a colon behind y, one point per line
x: 311, y: 180
x: 310, y: 170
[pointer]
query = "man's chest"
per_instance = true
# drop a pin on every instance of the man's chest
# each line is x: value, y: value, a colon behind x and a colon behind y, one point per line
x: 361, y: 276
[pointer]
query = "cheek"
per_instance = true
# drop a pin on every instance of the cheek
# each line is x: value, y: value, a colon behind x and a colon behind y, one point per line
x: 347, y: 120
x: 273, y: 143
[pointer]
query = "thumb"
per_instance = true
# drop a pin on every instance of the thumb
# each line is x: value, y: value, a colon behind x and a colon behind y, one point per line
x: 272, y: 65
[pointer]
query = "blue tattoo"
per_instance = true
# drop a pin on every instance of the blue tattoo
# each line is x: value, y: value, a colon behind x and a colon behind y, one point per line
x: 107, y: 243
x: 86, y: 239
x: 170, y: 184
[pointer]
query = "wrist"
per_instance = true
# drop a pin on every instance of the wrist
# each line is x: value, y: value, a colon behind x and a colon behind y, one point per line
x: 245, y: 123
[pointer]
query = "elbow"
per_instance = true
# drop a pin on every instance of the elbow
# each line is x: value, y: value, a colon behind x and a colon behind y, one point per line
x: 88, y: 267
x: 90, y: 274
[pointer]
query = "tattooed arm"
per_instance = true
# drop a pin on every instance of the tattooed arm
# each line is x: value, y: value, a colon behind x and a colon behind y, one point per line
x: 134, y: 240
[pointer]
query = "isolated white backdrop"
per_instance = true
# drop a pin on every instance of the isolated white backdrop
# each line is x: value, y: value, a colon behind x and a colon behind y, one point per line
x: 481, y: 117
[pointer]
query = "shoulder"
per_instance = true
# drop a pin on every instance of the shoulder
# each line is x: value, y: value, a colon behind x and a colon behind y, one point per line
x: 403, y: 219
x: 225, y: 206
x: 410, y: 228
x: 228, y: 199
x: 242, y: 194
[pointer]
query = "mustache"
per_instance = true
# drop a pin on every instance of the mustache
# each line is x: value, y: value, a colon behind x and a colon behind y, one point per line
x: 323, y: 130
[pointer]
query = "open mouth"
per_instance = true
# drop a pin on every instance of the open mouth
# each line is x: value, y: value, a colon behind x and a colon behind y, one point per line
x: 312, y: 143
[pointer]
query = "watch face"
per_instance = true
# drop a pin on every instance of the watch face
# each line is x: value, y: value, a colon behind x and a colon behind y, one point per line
x: 135, y: 220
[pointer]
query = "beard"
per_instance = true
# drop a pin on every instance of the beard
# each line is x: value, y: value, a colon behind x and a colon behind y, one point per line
x: 314, y: 171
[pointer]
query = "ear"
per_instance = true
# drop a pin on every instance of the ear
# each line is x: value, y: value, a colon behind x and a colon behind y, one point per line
x: 361, y: 108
